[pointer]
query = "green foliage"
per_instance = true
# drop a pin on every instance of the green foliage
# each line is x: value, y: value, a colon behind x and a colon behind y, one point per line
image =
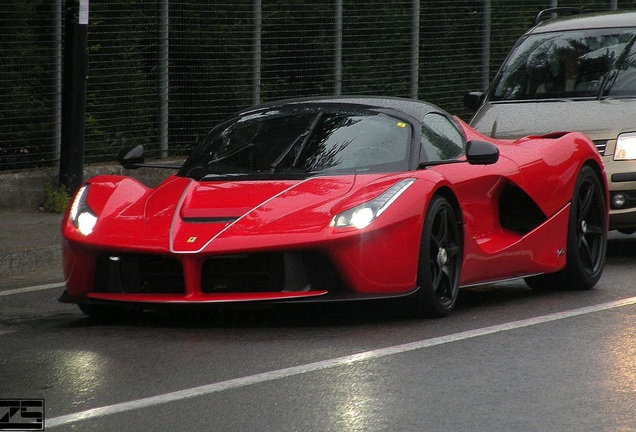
x: 211, y: 73
x: 57, y: 200
x: 211, y: 55
x: 26, y: 83
x: 122, y: 101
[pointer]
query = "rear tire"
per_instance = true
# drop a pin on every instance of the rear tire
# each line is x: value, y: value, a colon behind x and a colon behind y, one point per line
x: 587, y: 238
x: 440, y: 260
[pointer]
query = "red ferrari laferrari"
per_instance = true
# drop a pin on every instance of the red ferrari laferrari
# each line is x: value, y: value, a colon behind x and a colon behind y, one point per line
x: 340, y: 198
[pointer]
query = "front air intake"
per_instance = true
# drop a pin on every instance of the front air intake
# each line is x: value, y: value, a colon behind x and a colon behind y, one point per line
x: 138, y: 274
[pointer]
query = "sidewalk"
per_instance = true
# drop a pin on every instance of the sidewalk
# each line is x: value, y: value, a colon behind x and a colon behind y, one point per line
x: 29, y: 241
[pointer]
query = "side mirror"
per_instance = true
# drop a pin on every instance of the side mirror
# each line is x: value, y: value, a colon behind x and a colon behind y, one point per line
x: 481, y: 153
x: 473, y: 100
x: 131, y: 157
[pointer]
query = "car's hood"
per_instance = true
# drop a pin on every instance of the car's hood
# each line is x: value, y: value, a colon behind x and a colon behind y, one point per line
x: 600, y: 120
x: 186, y: 215
x: 224, y: 210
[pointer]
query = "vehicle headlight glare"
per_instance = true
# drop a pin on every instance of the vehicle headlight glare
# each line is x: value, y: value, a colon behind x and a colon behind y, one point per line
x: 80, y: 214
x: 363, y: 215
x: 86, y: 222
x: 625, y: 147
x: 80, y: 200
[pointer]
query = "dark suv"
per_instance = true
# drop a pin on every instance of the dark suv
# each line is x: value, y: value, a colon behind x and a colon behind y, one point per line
x: 573, y: 73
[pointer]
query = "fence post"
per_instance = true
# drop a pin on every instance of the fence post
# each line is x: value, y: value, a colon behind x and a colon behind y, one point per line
x: 485, y: 48
x: 57, y: 131
x: 164, y: 72
x: 415, y: 48
x: 256, y: 55
x: 71, y: 173
x: 337, y: 61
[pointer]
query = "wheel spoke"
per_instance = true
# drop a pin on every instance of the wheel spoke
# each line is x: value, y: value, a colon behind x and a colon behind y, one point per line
x: 443, y: 285
x: 450, y: 278
x: 586, y: 252
x: 595, y: 231
x: 441, y: 279
x: 585, y: 203
x: 436, y: 274
x: 452, y: 249
x: 589, y: 235
x: 441, y: 235
x: 443, y: 288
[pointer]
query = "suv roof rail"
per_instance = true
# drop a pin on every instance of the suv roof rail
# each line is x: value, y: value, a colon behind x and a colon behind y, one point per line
x: 552, y: 11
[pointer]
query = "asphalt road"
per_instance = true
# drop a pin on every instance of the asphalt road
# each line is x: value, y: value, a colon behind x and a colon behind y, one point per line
x: 508, y: 359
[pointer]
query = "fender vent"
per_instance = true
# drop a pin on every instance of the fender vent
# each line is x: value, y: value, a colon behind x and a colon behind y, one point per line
x: 518, y: 212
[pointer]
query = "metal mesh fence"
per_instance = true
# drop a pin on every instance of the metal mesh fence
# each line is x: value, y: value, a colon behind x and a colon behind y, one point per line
x: 162, y: 73
x: 30, y: 71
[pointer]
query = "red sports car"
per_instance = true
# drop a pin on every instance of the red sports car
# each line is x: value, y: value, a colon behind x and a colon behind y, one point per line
x: 340, y: 198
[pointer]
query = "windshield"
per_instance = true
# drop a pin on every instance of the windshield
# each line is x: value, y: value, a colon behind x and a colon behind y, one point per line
x: 582, y: 63
x: 302, y: 141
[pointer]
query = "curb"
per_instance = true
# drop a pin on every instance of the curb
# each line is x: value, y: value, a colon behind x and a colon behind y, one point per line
x: 22, y: 262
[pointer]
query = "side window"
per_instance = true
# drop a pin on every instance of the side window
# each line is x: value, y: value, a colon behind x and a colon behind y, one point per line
x: 441, y: 140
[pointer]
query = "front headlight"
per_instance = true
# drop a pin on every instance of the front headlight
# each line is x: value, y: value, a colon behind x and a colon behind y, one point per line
x: 80, y: 214
x: 625, y: 147
x: 362, y: 215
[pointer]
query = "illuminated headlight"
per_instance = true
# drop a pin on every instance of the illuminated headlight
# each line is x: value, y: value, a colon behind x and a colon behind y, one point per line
x: 361, y: 216
x: 626, y: 147
x: 80, y: 214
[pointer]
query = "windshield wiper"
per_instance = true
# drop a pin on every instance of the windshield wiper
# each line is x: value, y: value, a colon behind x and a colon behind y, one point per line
x: 424, y: 165
x: 310, y: 132
x: 255, y: 176
x: 214, y: 176
x: 302, y: 139
x: 621, y: 63
x: 286, y: 152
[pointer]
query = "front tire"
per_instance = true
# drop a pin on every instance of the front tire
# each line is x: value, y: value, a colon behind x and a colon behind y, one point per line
x: 440, y: 260
x: 587, y: 238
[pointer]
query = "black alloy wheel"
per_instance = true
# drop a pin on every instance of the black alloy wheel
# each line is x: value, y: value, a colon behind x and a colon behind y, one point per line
x: 587, y: 238
x: 440, y: 260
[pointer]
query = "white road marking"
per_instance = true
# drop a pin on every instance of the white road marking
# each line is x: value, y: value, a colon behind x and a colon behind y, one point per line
x: 326, y: 364
x: 31, y: 288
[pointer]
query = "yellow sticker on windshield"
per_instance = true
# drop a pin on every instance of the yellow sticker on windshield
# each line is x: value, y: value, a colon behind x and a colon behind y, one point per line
x: 401, y: 124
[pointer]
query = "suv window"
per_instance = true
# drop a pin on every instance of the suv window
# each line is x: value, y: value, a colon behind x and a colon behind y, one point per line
x: 581, y: 63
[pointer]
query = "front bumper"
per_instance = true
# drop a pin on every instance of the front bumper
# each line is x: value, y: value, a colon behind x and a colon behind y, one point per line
x: 621, y: 176
x: 141, y: 279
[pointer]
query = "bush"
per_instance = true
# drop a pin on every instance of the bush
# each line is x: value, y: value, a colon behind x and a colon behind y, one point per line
x: 57, y: 200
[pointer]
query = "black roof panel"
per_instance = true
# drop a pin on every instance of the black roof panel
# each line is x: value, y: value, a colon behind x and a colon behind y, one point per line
x: 587, y: 21
x: 411, y: 107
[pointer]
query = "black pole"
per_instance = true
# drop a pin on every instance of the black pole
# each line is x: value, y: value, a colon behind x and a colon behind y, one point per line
x: 74, y: 73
